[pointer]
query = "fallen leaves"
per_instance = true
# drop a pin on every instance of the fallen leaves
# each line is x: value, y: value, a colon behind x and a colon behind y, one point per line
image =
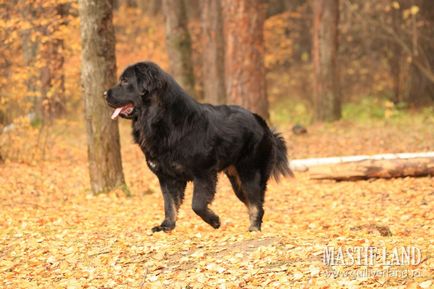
x: 53, y: 234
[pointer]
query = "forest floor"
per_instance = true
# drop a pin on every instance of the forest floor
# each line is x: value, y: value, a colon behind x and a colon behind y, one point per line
x: 54, y: 234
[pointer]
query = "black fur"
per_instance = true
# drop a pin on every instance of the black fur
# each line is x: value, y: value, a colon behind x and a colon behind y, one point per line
x: 184, y: 140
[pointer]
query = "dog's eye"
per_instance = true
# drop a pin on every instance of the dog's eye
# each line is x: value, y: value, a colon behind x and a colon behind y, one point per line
x: 124, y: 82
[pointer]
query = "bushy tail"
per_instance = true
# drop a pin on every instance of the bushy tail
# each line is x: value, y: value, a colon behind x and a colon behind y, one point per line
x: 280, y: 164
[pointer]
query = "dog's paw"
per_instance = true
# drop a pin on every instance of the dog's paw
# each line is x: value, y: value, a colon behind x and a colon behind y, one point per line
x: 215, y: 223
x: 254, y: 228
x: 165, y: 227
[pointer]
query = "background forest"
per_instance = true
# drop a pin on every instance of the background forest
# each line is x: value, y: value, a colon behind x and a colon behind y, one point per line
x: 384, y: 55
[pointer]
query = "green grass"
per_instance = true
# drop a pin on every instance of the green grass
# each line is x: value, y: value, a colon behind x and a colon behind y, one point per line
x: 290, y: 111
x: 369, y: 109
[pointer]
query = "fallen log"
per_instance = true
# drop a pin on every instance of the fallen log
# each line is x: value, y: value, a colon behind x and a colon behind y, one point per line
x: 365, y: 166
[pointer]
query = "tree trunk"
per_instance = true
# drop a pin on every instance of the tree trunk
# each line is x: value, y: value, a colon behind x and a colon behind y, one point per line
x: 30, y: 49
x: 213, y: 53
x: 275, y: 7
x: 98, y: 73
x: 244, y: 54
x: 30, y: 53
x: 192, y: 8
x: 52, y: 73
x: 368, y: 169
x: 327, y: 105
x: 420, y: 88
x: 367, y: 166
x: 395, y: 59
x: 178, y: 44
x: 53, y: 79
x: 150, y: 7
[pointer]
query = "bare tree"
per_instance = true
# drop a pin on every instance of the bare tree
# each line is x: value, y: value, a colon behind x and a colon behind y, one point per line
x: 52, y: 73
x: 178, y: 44
x: 46, y: 85
x: 244, y: 54
x: 213, y: 52
x: 327, y: 102
x: 150, y: 7
x: 420, y: 86
x: 192, y: 8
x: 395, y: 59
x: 98, y: 72
x: 30, y: 53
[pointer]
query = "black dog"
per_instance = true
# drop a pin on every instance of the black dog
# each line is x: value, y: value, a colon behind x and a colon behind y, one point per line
x: 184, y: 140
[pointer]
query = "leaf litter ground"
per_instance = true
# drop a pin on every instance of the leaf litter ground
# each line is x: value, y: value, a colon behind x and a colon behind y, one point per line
x: 54, y: 234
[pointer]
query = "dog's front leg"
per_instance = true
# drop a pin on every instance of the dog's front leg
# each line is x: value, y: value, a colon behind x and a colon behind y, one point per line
x: 173, y: 195
x: 203, y: 194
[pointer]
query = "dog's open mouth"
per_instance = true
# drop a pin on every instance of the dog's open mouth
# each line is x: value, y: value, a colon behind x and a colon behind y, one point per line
x: 124, y: 110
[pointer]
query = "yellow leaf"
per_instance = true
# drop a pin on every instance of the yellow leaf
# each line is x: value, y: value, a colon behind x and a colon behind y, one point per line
x: 414, y: 9
x: 426, y: 284
x: 297, y: 275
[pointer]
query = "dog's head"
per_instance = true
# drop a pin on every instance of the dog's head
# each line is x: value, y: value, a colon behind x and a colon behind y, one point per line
x: 137, y: 84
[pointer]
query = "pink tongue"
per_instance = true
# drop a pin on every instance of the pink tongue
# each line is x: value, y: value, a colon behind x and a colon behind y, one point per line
x: 116, y: 112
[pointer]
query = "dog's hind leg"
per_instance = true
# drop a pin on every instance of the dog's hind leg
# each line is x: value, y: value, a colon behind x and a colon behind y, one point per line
x: 173, y: 195
x: 253, y: 185
x: 203, y: 194
x: 251, y: 191
x: 234, y: 178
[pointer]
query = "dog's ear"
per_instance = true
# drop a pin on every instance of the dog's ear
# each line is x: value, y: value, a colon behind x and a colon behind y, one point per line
x: 149, y: 77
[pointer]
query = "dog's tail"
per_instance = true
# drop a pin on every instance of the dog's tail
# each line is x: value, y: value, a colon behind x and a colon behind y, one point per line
x: 280, y: 164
